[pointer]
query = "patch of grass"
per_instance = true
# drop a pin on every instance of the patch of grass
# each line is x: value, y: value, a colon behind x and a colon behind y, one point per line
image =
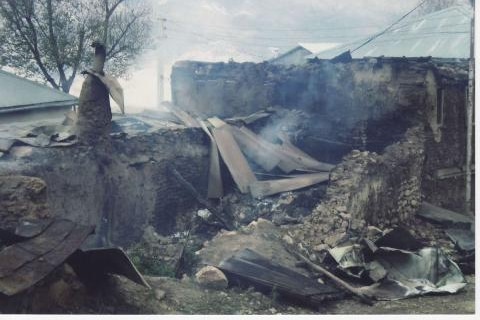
x: 150, y: 266
x: 190, y: 260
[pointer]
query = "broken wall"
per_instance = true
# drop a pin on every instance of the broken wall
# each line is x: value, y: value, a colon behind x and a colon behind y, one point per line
x: 367, y: 104
x: 445, y: 148
x: 342, y: 99
x: 367, y: 188
x: 124, y: 191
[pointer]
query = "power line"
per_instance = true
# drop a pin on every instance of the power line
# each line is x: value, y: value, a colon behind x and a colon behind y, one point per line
x: 312, y: 37
x: 389, y: 27
x: 243, y: 29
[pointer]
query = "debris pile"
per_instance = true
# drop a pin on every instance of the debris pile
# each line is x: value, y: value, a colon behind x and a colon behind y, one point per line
x: 232, y: 143
x: 366, y: 188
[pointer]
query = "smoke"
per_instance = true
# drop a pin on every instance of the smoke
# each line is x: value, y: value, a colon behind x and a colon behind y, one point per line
x: 246, y: 30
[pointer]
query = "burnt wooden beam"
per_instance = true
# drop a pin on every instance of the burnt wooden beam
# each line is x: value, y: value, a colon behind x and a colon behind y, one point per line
x: 194, y: 193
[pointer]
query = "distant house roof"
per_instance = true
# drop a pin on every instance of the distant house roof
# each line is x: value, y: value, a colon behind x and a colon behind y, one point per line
x: 18, y: 94
x: 297, y: 54
x: 441, y: 34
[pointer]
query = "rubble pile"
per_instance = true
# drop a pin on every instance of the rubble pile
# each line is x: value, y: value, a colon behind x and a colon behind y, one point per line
x: 284, y: 208
x: 366, y: 188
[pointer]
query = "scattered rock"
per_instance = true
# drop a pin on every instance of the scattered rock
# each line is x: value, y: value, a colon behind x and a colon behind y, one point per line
x: 211, y: 277
x: 334, y: 239
x: 159, y: 294
x: 321, y: 247
x: 287, y: 239
x: 373, y: 232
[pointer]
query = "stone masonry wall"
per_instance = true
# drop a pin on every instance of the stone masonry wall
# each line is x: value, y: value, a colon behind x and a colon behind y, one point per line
x: 367, y: 189
x: 367, y: 104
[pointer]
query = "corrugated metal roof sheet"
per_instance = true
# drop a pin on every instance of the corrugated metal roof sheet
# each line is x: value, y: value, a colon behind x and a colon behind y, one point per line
x: 316, y: 47
x: 441, y: 34
x: 19, y: 93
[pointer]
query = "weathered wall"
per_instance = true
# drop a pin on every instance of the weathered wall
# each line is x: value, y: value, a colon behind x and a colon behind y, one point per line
x: 445, y: 146
x: 367, y: 105
x: 343, y: 99
x: 367, y: 188
x: 125, y: 191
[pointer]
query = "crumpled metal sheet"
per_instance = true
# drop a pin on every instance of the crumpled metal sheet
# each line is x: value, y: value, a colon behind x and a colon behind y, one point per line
x: 463, y: 239
x: 399, y: 273
x: 411, y: 274
x: 43, y: 137
x: 249, y: 267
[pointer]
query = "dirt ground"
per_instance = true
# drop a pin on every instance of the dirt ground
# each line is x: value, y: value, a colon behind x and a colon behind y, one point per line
x: 460, y: 303
x: 184, y: 297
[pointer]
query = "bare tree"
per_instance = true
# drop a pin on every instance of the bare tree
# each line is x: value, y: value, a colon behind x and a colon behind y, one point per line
x: 50, y: 38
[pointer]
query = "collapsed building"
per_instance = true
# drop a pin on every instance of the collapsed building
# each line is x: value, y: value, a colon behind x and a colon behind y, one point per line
x: 392, y: 129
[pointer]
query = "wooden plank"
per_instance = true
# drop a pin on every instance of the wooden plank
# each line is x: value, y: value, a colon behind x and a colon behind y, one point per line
x: 255, y: 149
x: 262, y: 189
x: 215, y: 184
x: 232, y: 156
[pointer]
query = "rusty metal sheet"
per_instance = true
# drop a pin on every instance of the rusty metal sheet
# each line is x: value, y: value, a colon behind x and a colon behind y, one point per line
x: 25, y: 263
x: 49, y: 238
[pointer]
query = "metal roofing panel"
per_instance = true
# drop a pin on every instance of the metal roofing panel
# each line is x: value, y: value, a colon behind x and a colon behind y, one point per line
x: 17, y: 92
x: 441, y: 34
x: 316, y: 47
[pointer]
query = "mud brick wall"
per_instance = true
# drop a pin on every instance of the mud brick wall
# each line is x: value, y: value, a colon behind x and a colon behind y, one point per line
x: 126, y: 191
x: 367, y: 189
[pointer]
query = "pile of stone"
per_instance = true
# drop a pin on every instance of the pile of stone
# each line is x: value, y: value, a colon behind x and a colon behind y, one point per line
x: 365, y: 189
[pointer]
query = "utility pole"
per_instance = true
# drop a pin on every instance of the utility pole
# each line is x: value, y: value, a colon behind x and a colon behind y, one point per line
x: 469, y: 116
x: 160, y: 63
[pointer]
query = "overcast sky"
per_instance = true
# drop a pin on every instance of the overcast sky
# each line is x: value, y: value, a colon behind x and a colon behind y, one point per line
x: 249, y: 30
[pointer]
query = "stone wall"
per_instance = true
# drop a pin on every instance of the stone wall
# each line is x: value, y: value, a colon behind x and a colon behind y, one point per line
x: 355, y: 104
x: 367, y: 189
x: 124, y: 191
x: 367, y: 104
x: 445, y: 146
